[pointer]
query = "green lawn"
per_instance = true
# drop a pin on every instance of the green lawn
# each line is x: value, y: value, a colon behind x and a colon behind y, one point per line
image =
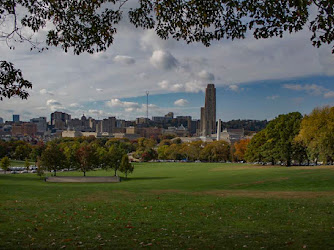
x: 173, y: 205
x: 16, y: 163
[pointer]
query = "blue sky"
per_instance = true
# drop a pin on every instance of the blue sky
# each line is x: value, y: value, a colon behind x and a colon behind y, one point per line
x: 255, y: 100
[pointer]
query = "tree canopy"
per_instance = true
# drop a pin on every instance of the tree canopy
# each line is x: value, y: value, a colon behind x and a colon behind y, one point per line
x: 90, y: 26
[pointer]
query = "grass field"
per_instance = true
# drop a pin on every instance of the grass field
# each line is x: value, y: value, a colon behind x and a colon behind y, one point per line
x: 173, y: 205
x: 15, y: 163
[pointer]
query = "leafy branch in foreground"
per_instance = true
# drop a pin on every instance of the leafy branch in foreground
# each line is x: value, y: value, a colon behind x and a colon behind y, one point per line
x: 12, y: 82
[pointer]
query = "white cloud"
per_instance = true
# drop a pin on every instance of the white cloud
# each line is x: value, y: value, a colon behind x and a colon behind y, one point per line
x: 124, y: 59
x: 194, y: 86
x: 95, y: 112
x: 129, y: 106
x: 273, y: 97
x: 235, y: 88
x: 178, y: 87
x: 118, y: 103
x: 39, y: 108
x: 46, y: 92
x: 163, y: 60
x: 312, y: 89
x: 191, y: 86
x: 329, y: 94
x: 53, y: 102
x: 55, y: 105
x: 207, y: 76
x: 164, y: 84
x: 181, y: 102
x: 99, y: 90
x: 74, y: 105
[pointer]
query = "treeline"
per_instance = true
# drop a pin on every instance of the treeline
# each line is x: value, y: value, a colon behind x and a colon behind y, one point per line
x: 292, y: 138
x: 216, y: 151
x: 247, y: 125
x: 84, y: 154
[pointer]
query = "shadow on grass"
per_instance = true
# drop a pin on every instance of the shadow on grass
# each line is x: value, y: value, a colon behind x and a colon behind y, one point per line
x: 144, y: 178
x: 11, y: 177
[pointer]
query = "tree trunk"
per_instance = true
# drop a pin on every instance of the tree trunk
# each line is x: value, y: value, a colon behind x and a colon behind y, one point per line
x: 115, y: 171
x: 55, y: 172
x: 85, y: 173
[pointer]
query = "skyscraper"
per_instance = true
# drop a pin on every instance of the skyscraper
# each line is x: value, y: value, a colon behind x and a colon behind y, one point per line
x: 208, y: 112
x: 16, y: 118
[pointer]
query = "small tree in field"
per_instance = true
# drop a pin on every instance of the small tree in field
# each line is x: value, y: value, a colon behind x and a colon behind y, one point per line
x: 5, y: 163
x: 53, y: 158
x: 126, y: 167
x: 87, y: 159
x: 26, y: 164
x: 40, y: 170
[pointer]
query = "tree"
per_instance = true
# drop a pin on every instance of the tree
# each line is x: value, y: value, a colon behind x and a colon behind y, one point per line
x: 70, y: 151
x: 277, y: 141
x: 162, y: 152
x: 216, y: 151
x: 90, y: 26
x: 36, y: 151
x: 86, y: 157
x: 5, y: 163
x: 110, y: 159
x: 317, y: 134
x: 240, y: 149
x: 22, y: 151
x: 53, y: 158
x: 254, y: 151
x: 149, y: 154
x: 126, y: 167
x: 192, y: 150
x: 40, y: 170
x: 26, y: 164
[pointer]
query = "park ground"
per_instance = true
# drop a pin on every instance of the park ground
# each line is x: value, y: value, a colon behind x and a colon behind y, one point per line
x: 173, y: 205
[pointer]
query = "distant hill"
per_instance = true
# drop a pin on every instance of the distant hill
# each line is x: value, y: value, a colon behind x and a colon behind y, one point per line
x: 247, y: 125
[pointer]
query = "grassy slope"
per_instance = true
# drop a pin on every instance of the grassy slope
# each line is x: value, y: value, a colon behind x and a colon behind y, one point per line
x: 173, y: 205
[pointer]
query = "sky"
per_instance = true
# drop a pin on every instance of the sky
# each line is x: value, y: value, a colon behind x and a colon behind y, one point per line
x: 255, y: 79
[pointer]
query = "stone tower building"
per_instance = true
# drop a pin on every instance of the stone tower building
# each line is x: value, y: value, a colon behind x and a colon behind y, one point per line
x: 208, y: 112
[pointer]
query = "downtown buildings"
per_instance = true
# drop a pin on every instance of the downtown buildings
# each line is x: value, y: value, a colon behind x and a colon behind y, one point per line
x: 62, y: 124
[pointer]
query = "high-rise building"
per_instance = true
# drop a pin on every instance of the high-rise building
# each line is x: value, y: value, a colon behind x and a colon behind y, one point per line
x: 40, y: 123
x: 16, y: 118
x: 59, y: 119
x: 1, y: 120
x: 208, y: 112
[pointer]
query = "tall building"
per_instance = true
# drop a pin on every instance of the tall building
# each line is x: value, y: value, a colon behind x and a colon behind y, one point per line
x: 59, y: 119
x: 1, y: 120
x: 16, y: 118
x: 208, y: 112
x: 40, y: 123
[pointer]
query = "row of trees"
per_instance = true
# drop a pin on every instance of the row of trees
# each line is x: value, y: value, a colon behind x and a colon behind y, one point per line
x: 197, y: 150
x: 86, y: 156
x: 294, y: 138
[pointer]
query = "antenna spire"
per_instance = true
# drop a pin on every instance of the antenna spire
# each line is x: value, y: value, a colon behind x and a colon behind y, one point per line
x: 147, y: 93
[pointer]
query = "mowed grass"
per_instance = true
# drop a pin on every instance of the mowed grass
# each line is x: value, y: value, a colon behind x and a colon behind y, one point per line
x: 173, y: 205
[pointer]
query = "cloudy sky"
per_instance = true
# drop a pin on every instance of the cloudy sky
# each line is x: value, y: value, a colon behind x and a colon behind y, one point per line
x: 255, y: 79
